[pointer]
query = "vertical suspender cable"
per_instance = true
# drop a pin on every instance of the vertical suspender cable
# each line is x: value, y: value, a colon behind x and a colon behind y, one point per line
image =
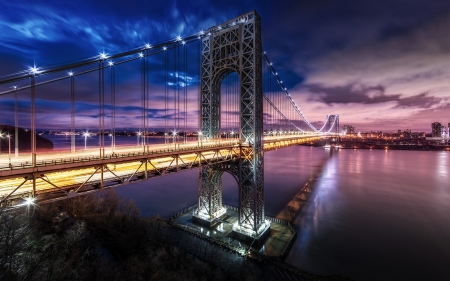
x: 175, y: 92
x: 147, y: 129
x: 101, y: 98
x: 140, y: 133
x: 185, y: 92
x: 199, y: 96
x: 177, y: 87
x: 33, y: 120
x: 16, y: 123
x: 144, y: 136
x: 144, y: 97
x: 72, y: 114
x: 99, y: 105
x: 113, y: 108
x: 166, y: 94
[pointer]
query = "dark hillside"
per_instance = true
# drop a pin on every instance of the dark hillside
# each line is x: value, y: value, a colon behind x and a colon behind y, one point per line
x: 24, y: 140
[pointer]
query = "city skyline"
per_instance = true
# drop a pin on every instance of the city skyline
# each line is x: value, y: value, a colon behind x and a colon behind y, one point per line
x: 380, y: 66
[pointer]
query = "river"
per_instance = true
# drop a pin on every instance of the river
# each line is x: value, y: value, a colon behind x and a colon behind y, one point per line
x: 372, y: 214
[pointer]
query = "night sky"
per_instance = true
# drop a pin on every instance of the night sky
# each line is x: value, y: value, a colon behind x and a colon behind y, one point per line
x: 380, y: 65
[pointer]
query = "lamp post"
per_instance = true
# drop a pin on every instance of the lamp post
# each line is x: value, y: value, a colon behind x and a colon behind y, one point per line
x: 9, y: 147
x: 232, y: 136
x: 138, y: 134
x: 165, y: 139
x: 174, y: 136
x: 112, y: 147
x: 200, y: 138
x: 86, y: 135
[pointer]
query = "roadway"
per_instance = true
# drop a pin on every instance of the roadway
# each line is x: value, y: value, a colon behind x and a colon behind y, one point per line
x: 84, y: 170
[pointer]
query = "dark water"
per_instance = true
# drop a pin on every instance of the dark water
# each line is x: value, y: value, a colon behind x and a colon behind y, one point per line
x: 373, y: 215
x: 379, y: 215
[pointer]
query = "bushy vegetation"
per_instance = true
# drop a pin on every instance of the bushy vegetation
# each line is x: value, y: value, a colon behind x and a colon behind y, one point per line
x: 98, y: 237
x: 101, y: 237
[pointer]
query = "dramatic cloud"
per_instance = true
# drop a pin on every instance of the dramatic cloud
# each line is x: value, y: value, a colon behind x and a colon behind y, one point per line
x: 350, y: 94
x: 379, y: 65
x: 406, y: 68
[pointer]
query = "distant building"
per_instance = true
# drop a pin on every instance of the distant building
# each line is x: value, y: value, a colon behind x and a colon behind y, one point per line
x: 407, y: 134
x: 436, y: 130
x: 348, y: 129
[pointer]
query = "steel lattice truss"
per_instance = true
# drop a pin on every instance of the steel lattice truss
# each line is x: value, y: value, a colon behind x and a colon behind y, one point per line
x: 235, y: 49
x: 210, y: 198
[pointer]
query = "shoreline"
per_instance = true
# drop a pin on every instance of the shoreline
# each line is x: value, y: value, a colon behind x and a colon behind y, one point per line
x: 412, y: 147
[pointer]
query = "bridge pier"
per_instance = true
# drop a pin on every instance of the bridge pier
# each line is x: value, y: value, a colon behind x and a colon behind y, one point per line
x: 209, y: 208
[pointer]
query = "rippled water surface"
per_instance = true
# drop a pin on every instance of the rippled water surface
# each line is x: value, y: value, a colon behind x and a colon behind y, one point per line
x: 373, y: 214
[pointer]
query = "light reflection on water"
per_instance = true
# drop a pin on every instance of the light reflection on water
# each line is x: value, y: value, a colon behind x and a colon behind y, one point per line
x: 373, y: 215
x: 378, y: 215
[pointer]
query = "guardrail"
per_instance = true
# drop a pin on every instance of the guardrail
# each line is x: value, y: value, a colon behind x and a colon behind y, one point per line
x: 28, y: 164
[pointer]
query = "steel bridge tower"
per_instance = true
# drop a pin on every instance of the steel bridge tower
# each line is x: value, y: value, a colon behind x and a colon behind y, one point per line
x: 234, y: 46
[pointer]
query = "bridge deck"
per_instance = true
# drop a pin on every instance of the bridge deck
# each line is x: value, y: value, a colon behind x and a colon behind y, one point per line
x: 63, y: 174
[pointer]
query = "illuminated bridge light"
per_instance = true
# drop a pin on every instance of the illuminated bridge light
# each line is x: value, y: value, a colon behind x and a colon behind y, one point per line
x: 34, y: 70
x: 183, y: 42
x: 110, y: 63
x: 70, y: 73
x: 141, y: 55
x: 165, y: 48
x: 103, y: 56
x: 148, y: 46
x: 29, y: 201
x: 179, y: 38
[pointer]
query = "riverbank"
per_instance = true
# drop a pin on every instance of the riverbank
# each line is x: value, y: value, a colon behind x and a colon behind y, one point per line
x: 101, y: 237
x: 388, y: 145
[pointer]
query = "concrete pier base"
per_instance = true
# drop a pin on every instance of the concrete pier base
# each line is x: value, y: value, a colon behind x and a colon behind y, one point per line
x: 275, y: 239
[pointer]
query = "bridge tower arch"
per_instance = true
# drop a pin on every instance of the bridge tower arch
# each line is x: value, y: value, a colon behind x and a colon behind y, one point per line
x: 235, y: 46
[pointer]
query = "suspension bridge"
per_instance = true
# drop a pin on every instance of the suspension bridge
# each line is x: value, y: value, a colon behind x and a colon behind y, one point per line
x: 215, y: 96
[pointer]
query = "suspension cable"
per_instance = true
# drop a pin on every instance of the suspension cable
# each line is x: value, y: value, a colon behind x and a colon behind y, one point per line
x: 286, y: 93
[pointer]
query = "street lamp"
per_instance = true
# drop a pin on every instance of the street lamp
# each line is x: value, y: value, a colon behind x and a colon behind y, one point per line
x: 9, y: 147
x: 112, y: 148
x: 86, y: 135
x: 200, y: 138
x: 232, y: 135
x: 138, y: 134
x: 174, y: 136
x: 165, y: 139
